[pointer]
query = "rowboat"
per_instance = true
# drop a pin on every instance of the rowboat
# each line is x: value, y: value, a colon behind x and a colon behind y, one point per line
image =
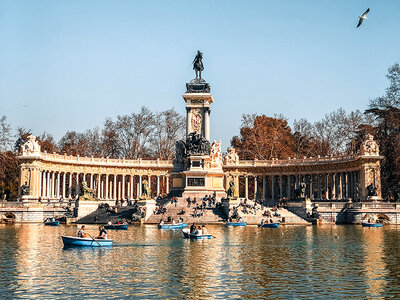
x: 371, y: 224
x: 236, y: 223
x: 172, y: 226
x: 188, y: 235
x: 52, y: 223
x: 85, y: 242
x: 269, y: 225
x: 117, y: 226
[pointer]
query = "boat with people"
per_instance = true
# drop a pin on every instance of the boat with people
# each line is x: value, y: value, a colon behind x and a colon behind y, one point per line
x: 116, y: 226
x: 236, y: 223
x: 366, y: 224
x: 85, y: 242
x: 195, y: 235
x: 269, y: 225
x: 51, y: 222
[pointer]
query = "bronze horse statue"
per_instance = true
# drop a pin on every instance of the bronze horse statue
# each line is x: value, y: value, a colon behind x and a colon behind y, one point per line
x: 198, y: 64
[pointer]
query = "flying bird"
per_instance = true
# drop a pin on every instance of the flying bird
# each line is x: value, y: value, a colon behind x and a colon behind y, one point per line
x: 362, y: 18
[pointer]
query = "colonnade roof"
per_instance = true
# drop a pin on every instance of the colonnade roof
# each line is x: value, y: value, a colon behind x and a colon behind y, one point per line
x: 304, y: 165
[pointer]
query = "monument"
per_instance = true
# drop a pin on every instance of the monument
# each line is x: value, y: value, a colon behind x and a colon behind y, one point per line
x: 198, y: 166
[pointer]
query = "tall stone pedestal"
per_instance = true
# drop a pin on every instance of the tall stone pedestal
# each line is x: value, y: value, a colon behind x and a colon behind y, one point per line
x: 201, y: 179
x: 197, y: 169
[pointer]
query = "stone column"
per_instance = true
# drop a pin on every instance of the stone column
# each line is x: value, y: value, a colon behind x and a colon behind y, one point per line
x: 64, y: 185
x: 255, y: 187
x: 98, y: 186
x: 131, y: 187
x: 53, y: 184
x: 167, y: 182
x: 123, y: 187
x: 77, y: 185
x: 70, y: 186
x: 349, y: 183
x: 326, y: 186
x: 207, y: 123
x: 288, y: 188
x: 280, y: 187
x: 273, y: 187
x: 265, y: 187
x: 296, y: 184
x: 119, y: 194
x: 43, y: 183
x: 344, y: 186
x: 319, y: 186
x: 246, y: 187
x: 140, y: 185
x: 107, y: 183
x: 333, y: 190
x: 91, y: 181
x: 84, y: 177
x: 47, y: 184
x: 158, y: 185
x: 115, y: 188
x: 58, y: 185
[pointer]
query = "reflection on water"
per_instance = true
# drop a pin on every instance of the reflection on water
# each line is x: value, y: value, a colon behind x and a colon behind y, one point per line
x: 243, y: 262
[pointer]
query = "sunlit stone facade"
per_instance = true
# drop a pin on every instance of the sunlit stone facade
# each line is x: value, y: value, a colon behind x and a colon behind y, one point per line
x: 52, y: 176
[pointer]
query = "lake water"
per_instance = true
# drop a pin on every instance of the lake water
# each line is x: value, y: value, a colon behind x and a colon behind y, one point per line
x: 248, y: 262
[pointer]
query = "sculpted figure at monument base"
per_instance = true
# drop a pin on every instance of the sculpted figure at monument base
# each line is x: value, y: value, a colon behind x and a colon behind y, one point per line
x: 86, y: 192
x: 146, y: 194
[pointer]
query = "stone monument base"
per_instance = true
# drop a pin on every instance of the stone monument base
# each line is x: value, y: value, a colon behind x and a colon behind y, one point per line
x: 147, y: 206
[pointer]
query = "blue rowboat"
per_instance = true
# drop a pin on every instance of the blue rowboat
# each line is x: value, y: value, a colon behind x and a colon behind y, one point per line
x: 117, y: 226
x: 85, y: 242
x: 173, y: 226
x: 371, y: 224
x: 54, y: 223
x: 236, y: 223
x: 269, y: 225
x: 188, y: 235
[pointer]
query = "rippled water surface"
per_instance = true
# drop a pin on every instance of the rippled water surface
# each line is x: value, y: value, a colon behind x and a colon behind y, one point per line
x: 248, y: 262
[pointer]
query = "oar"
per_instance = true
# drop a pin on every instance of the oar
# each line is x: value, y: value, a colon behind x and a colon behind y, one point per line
x: 94, y: 240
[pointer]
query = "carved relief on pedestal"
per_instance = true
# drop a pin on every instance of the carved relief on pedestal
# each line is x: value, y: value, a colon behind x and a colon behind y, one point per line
x: 369, y: 146
x: 196, y: 120
x: 231, y: 158
x: 30, y: 147
x: 215, y: 154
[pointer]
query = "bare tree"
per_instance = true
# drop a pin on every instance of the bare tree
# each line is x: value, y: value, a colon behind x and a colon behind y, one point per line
x: 169, y: 127
x: 5, y: 135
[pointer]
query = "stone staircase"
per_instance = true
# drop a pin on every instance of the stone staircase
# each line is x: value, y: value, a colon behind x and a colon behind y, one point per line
x: 216, y: 216
x: 101, y: 216
x: 251, y: 218
x: 210, y: 215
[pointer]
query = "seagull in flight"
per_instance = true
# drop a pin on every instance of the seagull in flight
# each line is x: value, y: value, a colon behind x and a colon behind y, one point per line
x: 362, y: 18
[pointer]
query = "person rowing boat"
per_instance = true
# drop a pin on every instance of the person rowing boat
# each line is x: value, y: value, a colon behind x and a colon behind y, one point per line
x: 81, y: 233
x: 102, y: 233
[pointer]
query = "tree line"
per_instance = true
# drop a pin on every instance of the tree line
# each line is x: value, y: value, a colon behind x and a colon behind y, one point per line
x: 142, y: 134
x: 262, y: 137
x: 150, y: 135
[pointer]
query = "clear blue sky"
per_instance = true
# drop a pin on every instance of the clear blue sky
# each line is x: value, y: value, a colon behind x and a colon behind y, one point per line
x: 67, y: 65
